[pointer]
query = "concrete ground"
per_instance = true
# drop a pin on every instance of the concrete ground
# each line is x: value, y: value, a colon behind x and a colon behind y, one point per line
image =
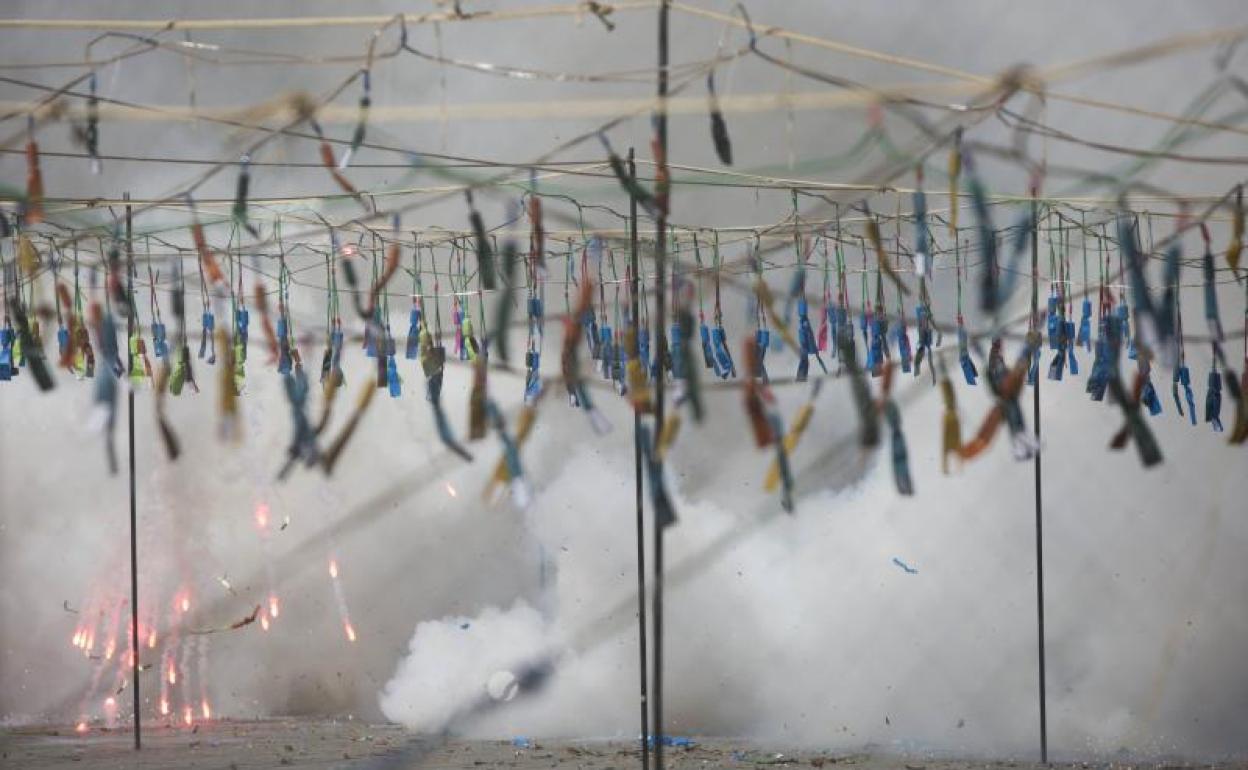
x: 299, y: 743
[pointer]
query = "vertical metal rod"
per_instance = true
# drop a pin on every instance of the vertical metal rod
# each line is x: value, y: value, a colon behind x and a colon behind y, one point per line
x: 131, y: 322
x: 1035, y: 408
x: 641, y: 540
x: 660, y: 291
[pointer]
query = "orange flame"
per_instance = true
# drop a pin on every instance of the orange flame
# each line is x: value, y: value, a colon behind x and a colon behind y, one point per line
x: 350, y: 631
x: 274, y: 609
x: 186, y: 603
x: 151, y: 639
x: 164, y: 706
x: 333, y: 568
x: 205, y: 709
x: 173, y: 673
x: 264, y: 622
x: 188, y: 716
x: 81, y: 727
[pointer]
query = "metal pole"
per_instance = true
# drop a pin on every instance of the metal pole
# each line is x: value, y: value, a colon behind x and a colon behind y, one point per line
x: 1035, y: 408
x: 641, y: 541
x: 134, y: 539
x: 660, y: 290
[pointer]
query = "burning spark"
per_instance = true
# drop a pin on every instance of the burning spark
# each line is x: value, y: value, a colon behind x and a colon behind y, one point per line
x: 273, y: 606
x: 188, y: 716
x: 350, y: 631
x: 450, y: 490
x: 333, y: 568
x: 262, y: 516
x: 206, y: 710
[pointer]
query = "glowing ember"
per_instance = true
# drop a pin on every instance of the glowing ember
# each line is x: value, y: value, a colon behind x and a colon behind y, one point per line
x: 262, y: 516
x: 186, y: 603
x: 81, y: 727
x: 112, y: 647
x: 450, y: 490
x: 164, y: 707
x: 333, y: 568
x: 173, y: 673
x: 264, y: 622
x: 274, y: 609
x: 206, y: 710
x: 350, y: 631
x: 188, y: 716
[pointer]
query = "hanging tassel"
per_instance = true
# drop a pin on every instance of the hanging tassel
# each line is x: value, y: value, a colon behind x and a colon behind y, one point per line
x: 1236, y: 245
x: 667, y: 435
x: 485, y: 260
x: 32, y: 209
x: 868, y: 416
x: 208, y: 337
x: 1211, y: 290
x: 227, y: 394
x: 1084, y: 337
x: 1072, y: 362
x: 1098, y: 380
x: 303, y: 446
x: 873, y: 235
x: 105, y: 396
x: 754, y: 409
x: 521, y: 494
x: 1183, y: 377
x: 361, y: 122
x: 32, y: 347
x: 1134, y: 426
x: 664, y: 513
x: 923, y: 322
x: 393, y: 381
x: 412, y: 348
x: 634, y: 190
x: 724, y: 366
x: 638, y: 386
x: 240, y: 196
x: 173, y: 447
x: 951, y: 434
x: 1213, y: 400
x: 800, y: 421
x: 719, y: 128
x: 901, y: 460
x: 477, y: 413
x: 332, y: 454
x: 763, y: 339
x: 708, y: 354
x: 903, y: 346
x: 502, y: 472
